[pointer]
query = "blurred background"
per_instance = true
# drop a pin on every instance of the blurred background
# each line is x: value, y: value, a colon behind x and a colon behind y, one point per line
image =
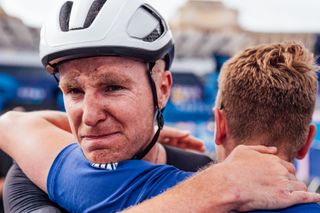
x: 207, y: 33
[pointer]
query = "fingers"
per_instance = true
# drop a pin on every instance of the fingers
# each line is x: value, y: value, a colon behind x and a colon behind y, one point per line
x: 171, y: 142
x: 296, y: 185
x: 303, y: 197
x: 185, y: 143
x: 180, y: 139
x: 169, y: 132
x: 273, y: 150
x: 264, y: 149
x: 190, y: 142
x: 292, y: 177
x: 288, y: 166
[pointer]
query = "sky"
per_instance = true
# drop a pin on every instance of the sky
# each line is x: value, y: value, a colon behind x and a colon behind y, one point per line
x: 256, y: 15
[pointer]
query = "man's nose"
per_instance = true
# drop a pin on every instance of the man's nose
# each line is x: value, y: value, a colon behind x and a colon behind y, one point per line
x: 93, y: 110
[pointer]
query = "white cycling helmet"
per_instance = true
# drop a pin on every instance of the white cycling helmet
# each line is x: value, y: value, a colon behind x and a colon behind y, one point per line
x: 84, y: 28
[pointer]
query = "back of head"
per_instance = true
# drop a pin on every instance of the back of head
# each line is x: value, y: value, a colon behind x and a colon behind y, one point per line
x: 268, y: 93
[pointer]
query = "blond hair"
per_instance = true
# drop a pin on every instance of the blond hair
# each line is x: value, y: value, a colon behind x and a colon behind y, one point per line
x: 269, y: 92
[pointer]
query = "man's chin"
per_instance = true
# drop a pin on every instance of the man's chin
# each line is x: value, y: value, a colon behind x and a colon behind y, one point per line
x: 101, y: 156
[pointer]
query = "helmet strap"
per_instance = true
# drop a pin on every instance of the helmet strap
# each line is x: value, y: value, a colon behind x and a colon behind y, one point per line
x: 158, y: 117
x: 55, y: 74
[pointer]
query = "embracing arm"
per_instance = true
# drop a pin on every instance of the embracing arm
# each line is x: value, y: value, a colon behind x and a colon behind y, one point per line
x: 239, y: 183
x: 169, y: 135
x: 35, y: 138
x: 56, y: 118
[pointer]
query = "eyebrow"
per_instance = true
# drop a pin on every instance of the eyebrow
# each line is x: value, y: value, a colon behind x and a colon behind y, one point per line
x: 70, y: 81
x: 111, y: 79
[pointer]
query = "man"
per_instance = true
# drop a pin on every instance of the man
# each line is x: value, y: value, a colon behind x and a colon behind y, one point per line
x: 34, y: 199
x: 108, y: 54
x: 267, y: 96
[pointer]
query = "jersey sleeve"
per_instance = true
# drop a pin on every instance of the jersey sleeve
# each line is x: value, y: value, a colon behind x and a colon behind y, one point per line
x: 21, y: 195
x: 77, y: 186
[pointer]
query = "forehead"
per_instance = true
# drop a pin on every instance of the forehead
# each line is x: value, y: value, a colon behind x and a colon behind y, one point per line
x: 95, y: 66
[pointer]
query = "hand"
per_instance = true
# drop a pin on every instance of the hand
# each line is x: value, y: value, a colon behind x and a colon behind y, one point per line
x: 181, y: 139
x: 261, y: 180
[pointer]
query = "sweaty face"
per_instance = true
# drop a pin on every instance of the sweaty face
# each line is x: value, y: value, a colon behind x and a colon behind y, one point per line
x: 109, y: 104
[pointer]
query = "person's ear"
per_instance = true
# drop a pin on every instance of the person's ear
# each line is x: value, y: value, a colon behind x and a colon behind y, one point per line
x: 165, y: 83
x: 305, y: 148
x: 220, y: 129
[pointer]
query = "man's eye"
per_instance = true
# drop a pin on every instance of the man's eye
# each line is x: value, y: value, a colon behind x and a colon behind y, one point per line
x: 113, y: 88
x: 74, y: 91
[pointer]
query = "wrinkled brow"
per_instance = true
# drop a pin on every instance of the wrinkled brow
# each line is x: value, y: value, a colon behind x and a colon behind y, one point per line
x: 111, y: 79
x: 72, y: 81
x: 66, y: 84
x: 69, y: 79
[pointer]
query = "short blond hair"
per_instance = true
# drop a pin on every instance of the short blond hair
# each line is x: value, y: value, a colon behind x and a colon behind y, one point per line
x: 269, y: 92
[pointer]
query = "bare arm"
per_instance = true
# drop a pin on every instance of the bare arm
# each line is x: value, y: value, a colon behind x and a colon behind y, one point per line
x: 56, y: 118
x: 239, y: 183
x: 34, y: 139
x: 250, y: 178
x: 168, y: 135
x: 33, y: 142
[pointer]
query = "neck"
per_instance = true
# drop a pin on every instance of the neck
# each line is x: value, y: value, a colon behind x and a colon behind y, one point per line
x: 284, y: 156
x: 157, y: 155
x: 282, y: 153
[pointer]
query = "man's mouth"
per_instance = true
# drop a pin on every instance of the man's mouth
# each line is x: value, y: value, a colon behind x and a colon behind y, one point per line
x: 99, y: 141
x: 97, y: 135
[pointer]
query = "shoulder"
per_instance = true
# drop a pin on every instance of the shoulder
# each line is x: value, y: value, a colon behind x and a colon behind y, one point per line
x: 185, y: 160
x: 132, y: 181
x: 33, y: 198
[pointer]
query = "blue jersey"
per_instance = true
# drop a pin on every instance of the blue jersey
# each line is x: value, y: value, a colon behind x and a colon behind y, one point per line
x: 79, y: 187
x: 301, y: 208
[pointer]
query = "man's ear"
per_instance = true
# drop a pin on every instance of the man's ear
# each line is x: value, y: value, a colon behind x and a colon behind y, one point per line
x: 220, y: 129
x: 305, y: 148
x: 165, y: 83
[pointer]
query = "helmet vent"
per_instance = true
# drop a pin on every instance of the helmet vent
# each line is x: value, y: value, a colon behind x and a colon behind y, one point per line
x: 158, y: 31
x: 93, y: 12
x: 64, y: 16
x: 154, y: 35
